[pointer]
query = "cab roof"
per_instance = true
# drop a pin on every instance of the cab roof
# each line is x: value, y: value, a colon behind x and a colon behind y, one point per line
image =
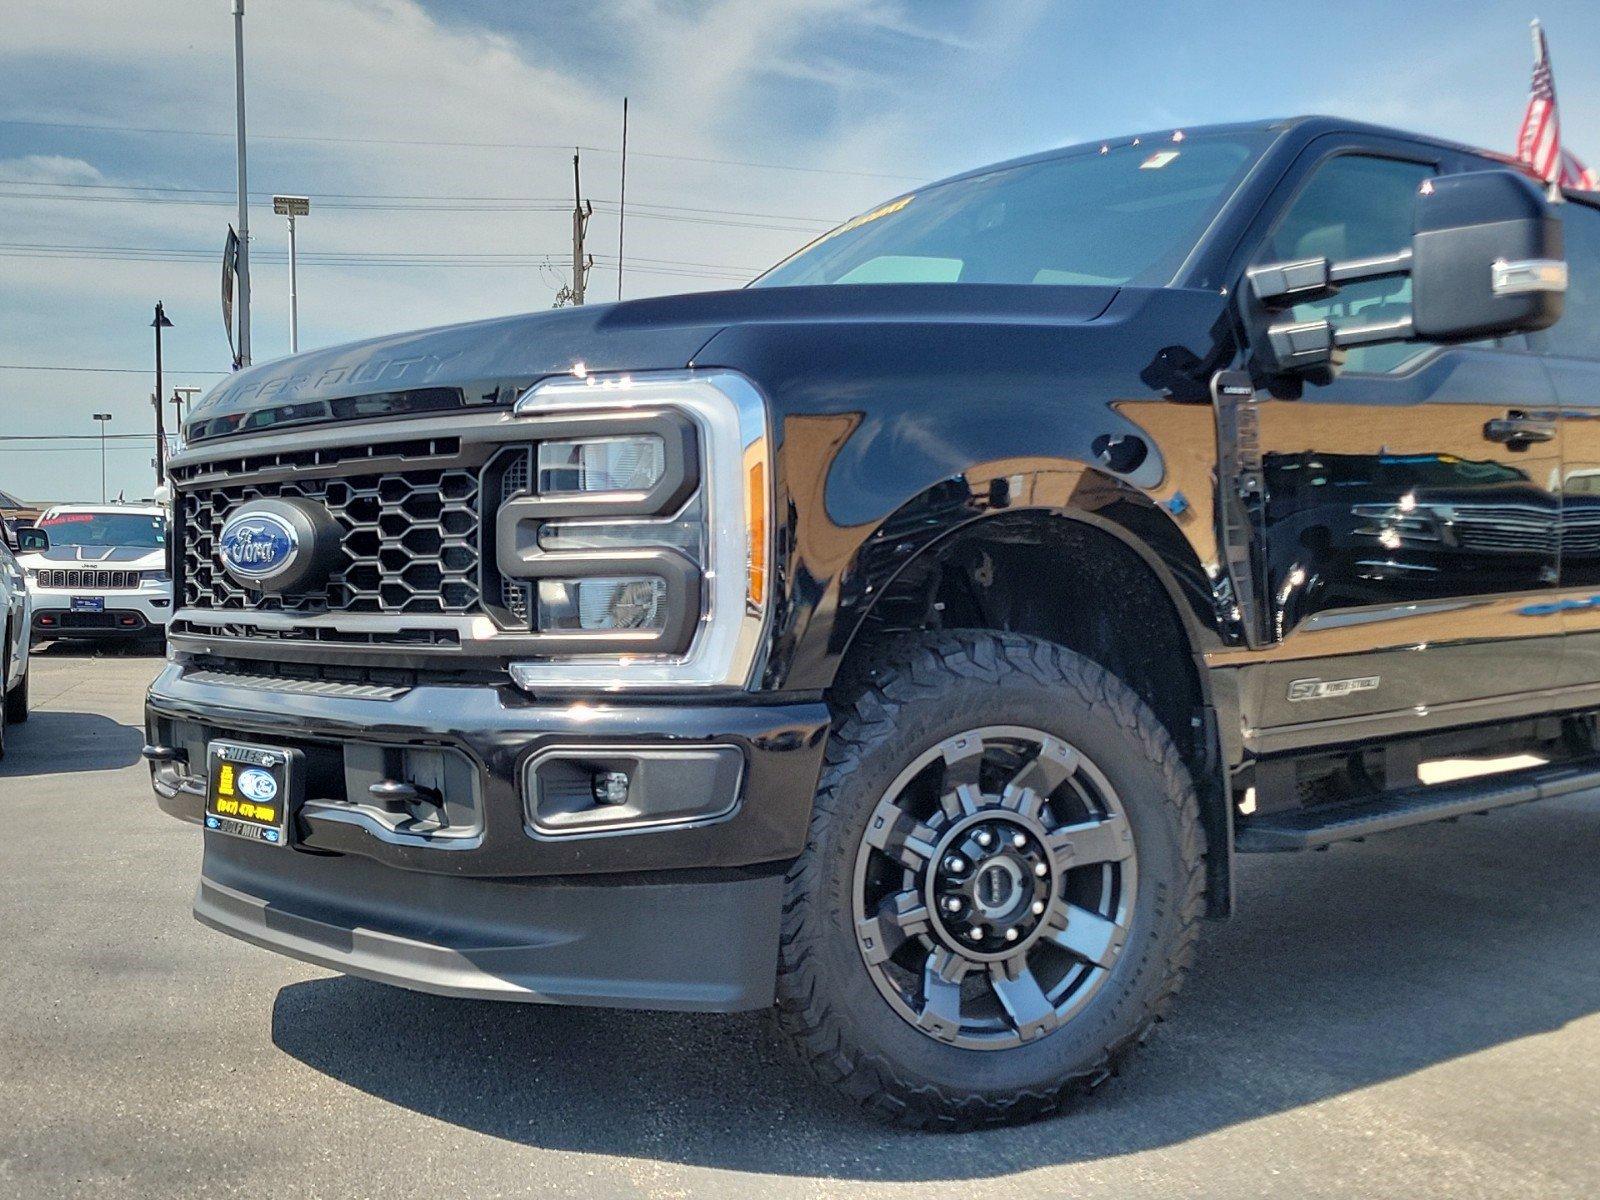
x: 1301, y: 129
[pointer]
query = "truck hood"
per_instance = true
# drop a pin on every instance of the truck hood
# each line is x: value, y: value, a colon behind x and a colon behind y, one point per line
x: 138, y: 558
x: 485, y: 363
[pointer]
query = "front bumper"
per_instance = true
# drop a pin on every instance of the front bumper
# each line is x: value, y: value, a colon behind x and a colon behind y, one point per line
x: 683, y: 915
x: 125, y: 613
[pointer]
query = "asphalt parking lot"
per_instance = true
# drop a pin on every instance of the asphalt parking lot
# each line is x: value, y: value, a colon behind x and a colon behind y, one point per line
x: 1412, y: 1016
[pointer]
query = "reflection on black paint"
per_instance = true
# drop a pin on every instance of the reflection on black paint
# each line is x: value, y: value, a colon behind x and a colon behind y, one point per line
x: 1365, y: 529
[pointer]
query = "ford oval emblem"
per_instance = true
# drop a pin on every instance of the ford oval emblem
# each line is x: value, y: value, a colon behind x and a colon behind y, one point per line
x: 257, y: 546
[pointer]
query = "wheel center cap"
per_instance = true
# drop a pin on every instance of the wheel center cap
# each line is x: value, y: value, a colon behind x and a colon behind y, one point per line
x: 991, y: 884
x: 998, y: 883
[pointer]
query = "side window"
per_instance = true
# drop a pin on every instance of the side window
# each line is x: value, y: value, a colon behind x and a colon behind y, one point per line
x: 1577, y: 333
x: 1354, y: 206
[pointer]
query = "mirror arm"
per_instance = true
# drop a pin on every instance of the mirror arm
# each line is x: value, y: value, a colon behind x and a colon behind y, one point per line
x: 1376, y: 267
x: 1397, y: 330
x: 1283, y: 285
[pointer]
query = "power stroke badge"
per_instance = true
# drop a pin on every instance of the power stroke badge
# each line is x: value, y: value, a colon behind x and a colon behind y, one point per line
x: 1328, y: 689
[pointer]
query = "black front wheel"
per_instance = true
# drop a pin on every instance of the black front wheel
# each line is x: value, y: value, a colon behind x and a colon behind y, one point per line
x: 1002, y: 886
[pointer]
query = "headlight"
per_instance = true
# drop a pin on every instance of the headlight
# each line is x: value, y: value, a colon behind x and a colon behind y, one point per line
x: 615, y: 464
x: 602, y: 604
x: 156, y: 576
x: 637, y: 556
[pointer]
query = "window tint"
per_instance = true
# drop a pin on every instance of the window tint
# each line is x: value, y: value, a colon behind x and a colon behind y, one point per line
x: 1355, y: 206
x: 1577, y: 333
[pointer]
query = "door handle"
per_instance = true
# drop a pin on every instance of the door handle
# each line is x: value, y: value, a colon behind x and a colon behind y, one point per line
x: 1519, y: 429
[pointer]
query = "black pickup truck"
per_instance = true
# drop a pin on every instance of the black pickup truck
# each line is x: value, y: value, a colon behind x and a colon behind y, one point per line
x: 908, y: 642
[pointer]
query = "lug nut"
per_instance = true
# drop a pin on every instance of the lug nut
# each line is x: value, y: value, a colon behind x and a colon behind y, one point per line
x: 1011, y: 935
x: 1038, y: 908
x: 983, y: 837
x: 975, y: 934
x: 955, y: 863
x: 952, y: 904
x: 1040, y: 870
x: 1019, y: 841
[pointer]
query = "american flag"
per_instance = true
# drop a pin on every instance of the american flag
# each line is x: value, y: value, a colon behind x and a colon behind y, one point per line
x: 1539, y: 140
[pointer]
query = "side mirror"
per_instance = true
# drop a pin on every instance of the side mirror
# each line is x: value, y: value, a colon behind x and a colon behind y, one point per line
x: 1463, y: 222
x: 1485, y: 260
x: 32, y: 540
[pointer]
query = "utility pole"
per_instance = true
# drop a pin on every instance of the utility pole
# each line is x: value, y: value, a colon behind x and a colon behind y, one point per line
x: 158, y: 325
x: 581, y: 211
x: 180, y: 397
x: 244, y: 193
x: 622, y: 195
x: 292, y: 207
x: 102, y: 418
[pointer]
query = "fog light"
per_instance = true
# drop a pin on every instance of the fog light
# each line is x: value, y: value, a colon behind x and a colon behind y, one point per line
x: 610, y: 787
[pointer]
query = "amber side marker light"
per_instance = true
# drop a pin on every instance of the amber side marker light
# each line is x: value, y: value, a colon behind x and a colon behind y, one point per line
x: 755, y: 507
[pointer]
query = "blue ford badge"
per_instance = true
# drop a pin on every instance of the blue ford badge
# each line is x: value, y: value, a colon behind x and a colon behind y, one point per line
x: 256, y: 546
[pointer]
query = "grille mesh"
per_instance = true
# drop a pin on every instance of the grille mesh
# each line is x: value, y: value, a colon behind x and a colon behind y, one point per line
x: 410, y: 544
x: 100, y: 581
x: 517, y: 478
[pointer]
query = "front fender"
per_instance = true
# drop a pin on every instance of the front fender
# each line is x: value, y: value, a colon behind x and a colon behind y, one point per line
x: 892, y: 434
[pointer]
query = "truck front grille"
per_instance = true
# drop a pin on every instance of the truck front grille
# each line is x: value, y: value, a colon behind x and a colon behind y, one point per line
x: 411, y: 543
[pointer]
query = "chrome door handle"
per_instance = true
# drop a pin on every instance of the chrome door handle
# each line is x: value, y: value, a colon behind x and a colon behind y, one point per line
x: 1519, y: 428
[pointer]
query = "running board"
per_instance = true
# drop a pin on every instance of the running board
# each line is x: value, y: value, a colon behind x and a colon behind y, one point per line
x: 1314, y: 828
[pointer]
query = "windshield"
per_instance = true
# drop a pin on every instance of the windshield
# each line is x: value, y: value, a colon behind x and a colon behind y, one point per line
x: 135, y: 530
x: 1094, y: 215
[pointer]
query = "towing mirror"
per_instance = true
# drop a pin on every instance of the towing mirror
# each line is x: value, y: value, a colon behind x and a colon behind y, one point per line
x: 1485, y: 260
x: 31, y: 540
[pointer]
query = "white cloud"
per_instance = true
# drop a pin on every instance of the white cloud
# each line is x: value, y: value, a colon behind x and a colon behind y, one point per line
x: 711, y: 81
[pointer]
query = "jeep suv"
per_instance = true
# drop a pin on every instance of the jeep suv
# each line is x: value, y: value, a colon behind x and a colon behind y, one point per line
x: 909, y: 642
x: 99, y: 571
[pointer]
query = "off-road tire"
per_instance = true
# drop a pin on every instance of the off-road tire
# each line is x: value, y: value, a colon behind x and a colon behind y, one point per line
x: 922, y: 691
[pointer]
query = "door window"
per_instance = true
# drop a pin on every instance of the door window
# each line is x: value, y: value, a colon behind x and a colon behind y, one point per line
x: 1577, y: 333
x: 1355, y: 206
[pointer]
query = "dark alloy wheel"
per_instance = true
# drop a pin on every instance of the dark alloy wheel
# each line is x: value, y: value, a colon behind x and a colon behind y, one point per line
x: 994, y: 887
x: 1002, y: 886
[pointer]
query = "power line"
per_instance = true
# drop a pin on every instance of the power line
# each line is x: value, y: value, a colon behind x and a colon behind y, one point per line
x: 326, y: 198
x: 71, y: 437
x: 98, y: 370
x: 459, y: 145
x: 27, y: 250
x: 605, y: 206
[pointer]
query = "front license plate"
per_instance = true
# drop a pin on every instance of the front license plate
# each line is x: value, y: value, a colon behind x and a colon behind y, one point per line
x: 88, y: 604
x: 250, y: 791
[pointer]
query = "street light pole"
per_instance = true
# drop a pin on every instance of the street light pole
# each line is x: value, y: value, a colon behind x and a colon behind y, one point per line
x: 292, y: 207
x: 158, y: 325
x: 244, y: 207
x: 102, y: 418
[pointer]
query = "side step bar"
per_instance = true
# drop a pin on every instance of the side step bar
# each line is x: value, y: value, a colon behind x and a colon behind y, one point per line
x: 1314, y: 828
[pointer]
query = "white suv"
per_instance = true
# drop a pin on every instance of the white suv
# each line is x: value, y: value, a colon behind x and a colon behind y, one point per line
x: 98, y: 571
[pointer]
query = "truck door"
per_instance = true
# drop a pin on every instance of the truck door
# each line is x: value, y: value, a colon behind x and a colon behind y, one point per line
x: 1409, y: 523
x: 1571, y: 353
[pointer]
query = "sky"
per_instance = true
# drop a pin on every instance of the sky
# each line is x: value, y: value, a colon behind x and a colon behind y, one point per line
x: 435, y: 138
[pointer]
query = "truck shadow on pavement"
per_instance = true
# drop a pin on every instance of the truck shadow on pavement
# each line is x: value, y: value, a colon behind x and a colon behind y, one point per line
x: 53, y: 742
x: 1344, y: 970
